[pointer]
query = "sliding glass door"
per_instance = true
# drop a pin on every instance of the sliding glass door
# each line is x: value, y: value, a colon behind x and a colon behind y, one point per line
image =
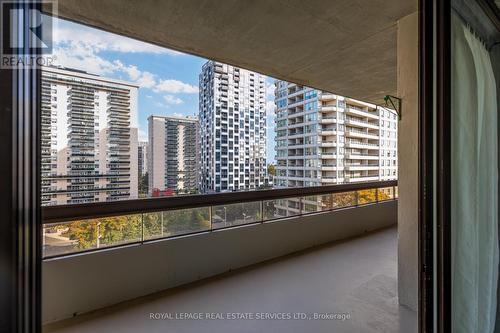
x: 474, y: 181
x: 465, y: 173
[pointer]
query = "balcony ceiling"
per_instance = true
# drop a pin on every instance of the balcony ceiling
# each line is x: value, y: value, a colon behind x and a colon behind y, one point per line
x: 344, y: 46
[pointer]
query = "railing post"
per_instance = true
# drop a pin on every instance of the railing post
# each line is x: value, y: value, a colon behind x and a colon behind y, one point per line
x: 161, y: 224
x: 210, y: 217
x: 98, y: 233
x: 261, y: 204
x: 142, y: 228
x: 300, y: 205
x: 376, y: 194
x: 356, y: 196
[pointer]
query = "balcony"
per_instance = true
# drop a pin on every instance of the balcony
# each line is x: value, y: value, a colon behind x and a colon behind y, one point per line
x: 361, y: 145
x: 354, y: 156
x: 329, y: 108
x: 360, y: 112
x: 361, y: 167
x: 353, y: 133
x: 278, y: 286
x: 328, y: 97
x: 163, y: 253
x: 328, y: 131
x: 328, y: 143
x: 331, y: 167
x: 361, y: 123
x: 328, y: 120
x: 361, y: 179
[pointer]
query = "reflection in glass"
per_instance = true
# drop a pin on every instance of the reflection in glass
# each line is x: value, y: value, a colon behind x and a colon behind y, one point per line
x: 280, y: 208
x: 176, y: 222
x: 235, y: 214
x: 367, y: 196
x: 77, y: 236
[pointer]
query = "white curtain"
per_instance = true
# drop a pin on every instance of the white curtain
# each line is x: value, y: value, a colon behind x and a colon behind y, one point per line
x: 474, y: 198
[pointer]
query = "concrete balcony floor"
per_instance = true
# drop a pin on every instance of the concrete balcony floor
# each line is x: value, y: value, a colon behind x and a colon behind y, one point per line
x: 357, y: 276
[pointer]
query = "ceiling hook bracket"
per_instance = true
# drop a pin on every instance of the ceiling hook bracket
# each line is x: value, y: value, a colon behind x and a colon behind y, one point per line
x: 395, y: 103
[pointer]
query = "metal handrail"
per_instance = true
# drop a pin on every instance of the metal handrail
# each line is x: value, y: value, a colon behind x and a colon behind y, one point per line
x: 74, y: 212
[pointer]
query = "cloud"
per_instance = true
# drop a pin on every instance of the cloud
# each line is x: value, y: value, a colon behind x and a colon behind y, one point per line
x: 146, y: 80
x: 170, y: 99
x: 85, y: 57
x: 161, y: 105
x: 270, y: 90
x: 175, y: 87
x: 270, y: 108
x: 142, y: 78
x: 80, y: 47
x: 133, y: 72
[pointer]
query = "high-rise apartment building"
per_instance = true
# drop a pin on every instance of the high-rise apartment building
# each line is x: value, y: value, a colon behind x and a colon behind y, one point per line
x: 323, y: 139
x: 173, y: 157
x: 89, y: 138
x: 142, y: 157
x: 232, y: 116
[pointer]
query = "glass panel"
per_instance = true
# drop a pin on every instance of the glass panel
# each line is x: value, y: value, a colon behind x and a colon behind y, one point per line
x: 385, y: 193
x: 119, y: 230
x: 235, y: 214
x: 474, y: 167
x: 275, y: 209
x: 332, y: 201
x: 76, y: 236
x: 367, y: 196
x: 68, y: 237
x: 176, y: 222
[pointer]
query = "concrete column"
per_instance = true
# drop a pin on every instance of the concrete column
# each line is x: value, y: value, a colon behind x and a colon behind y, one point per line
x: 407, y: 69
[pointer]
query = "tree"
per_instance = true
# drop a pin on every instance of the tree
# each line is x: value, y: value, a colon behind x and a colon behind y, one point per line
x: 143, y: 184
x: 104, y: 231
x: 271, y: 170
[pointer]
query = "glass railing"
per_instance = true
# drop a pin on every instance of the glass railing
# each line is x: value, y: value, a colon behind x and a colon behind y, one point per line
x: 81, y: 228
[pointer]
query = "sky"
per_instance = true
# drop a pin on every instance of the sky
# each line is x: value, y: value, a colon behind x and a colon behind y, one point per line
x: 168, y: 79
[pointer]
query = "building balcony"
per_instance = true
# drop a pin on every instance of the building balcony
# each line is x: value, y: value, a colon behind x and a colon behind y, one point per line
x: 328, y: 143
x: 360, y: 134
x: 361, y: 145
x: 328, y: 132
x: 362, y: 113
x: 300, y: 167
x: 328, y: 120
x: 328, y: 155
x: 354, y: 156
x: 328, y: 97
x: 331, y: 167
x: 329, y: 180
x: 296, y: 135
x: 361, y: 167
x: 361, y: 179
x: 163, y: 256
x: 329, y: 108
x: 361, y: 123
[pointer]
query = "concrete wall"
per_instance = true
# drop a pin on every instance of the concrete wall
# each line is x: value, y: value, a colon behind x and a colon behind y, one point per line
x: 408, y: 162
x: 86, y: 282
